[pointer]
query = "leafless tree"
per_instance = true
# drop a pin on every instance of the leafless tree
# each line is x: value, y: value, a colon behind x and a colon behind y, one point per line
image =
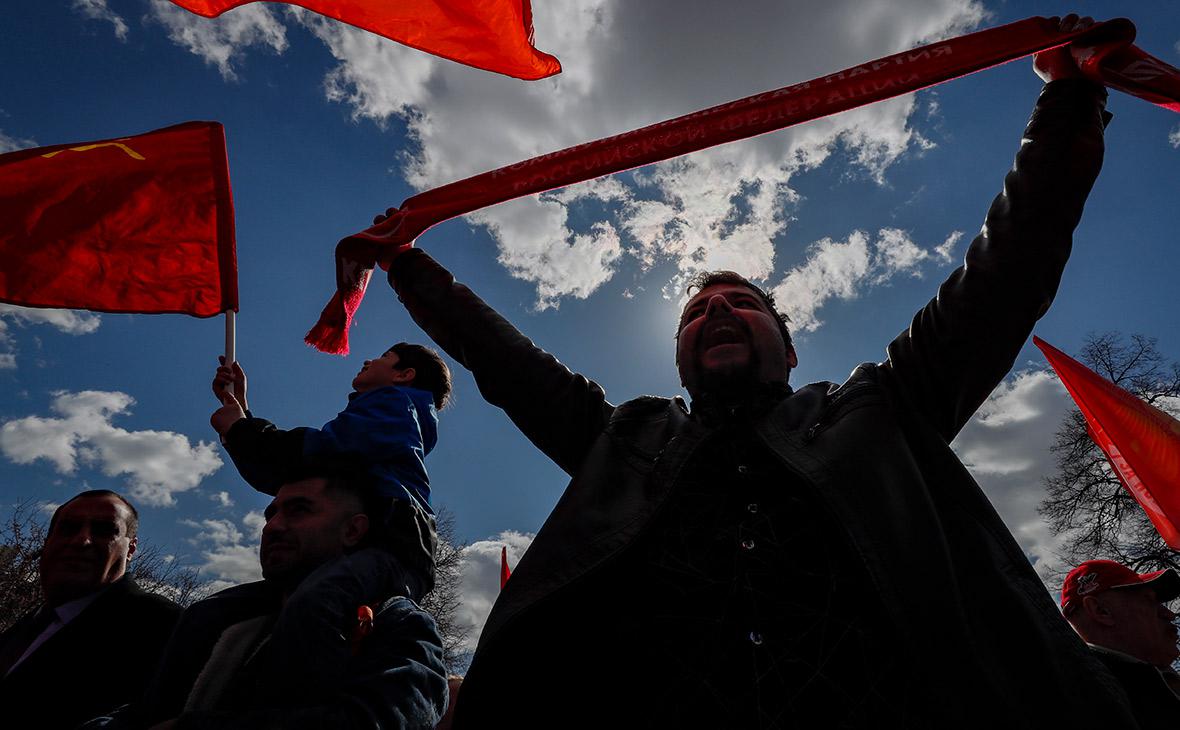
x: 21, y: 537
x: 443, y: 602
x: 1085, y: 501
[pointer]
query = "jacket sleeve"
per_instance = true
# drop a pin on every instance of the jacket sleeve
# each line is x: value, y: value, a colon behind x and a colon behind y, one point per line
x: 561, y: 412
x: 397, y: 682
x: 266, y: 456
x: 963, y: 343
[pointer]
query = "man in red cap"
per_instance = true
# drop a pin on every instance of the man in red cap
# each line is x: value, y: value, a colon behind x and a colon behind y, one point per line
x: 1124, y: 618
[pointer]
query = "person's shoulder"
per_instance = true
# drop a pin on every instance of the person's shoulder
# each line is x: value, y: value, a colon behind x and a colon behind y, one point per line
x: 648, y: 405
x: 394, y: 401
x: 132, y: 593
x: 145, y: 610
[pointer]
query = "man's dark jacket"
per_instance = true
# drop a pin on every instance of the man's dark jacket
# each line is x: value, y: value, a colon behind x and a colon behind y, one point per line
x: 95, y: 663
x: 395, y: 680
x: 874, y: 451
x: 1156, y: 706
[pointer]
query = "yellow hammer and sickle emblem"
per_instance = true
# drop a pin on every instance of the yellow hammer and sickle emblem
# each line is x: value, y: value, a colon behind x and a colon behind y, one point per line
x: 87, y: 147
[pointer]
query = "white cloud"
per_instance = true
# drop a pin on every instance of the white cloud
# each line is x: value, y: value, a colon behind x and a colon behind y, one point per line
x: 218, y: 532
x: 1174, y: 138
x: 157, y: 464
x: 222, y: 41
x: 1006, y: 447
x: 98, y: 10
x: 843, y: 270
x: 720, y: 208
x: 480, y: 584
x: 230, y: 554
x: 222, y: 499
x: 65, y: 320
x: 946, y: 250
x: 12, y: 144
x: 72, y: 322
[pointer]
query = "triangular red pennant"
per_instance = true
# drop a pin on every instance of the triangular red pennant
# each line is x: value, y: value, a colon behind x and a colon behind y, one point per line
x: 1141, y: 442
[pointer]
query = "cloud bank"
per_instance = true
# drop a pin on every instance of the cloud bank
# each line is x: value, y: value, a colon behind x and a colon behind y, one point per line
x: 1006, y: 447
x: 222, y: 41
x: 480, y: 582
x: 627, y: 64
x: 157, y: 465
x: 229, y: 550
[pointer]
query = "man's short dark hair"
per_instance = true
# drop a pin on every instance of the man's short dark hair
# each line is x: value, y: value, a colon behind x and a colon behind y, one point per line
x: 356, y: 485
x: 132, y: 522
x: 430, y: 372
x: 706, y: 279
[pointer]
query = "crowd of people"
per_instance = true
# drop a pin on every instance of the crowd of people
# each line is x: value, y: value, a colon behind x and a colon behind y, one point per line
x: 761, y: 556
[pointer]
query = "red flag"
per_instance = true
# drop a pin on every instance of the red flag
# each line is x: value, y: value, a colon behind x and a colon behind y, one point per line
x: 1107, y: 56
x: 133, y: 224
x: 1141, y: 442
x: 495, y: 35
x: 505, y: 573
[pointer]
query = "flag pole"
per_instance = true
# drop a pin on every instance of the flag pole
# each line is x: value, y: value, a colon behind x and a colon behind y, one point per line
x: 231, y: 337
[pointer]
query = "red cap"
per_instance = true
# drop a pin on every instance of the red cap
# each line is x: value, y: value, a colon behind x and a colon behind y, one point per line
x: 1093, y: 576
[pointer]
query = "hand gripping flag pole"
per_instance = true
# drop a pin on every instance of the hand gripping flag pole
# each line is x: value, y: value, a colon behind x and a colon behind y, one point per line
x: 1104, y: 52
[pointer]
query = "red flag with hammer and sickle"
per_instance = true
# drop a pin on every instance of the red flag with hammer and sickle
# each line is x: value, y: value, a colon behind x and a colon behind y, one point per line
x: 132, y: 224
x: 495, y: 35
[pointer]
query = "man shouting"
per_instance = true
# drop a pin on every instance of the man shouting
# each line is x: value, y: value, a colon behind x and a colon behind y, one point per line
x: 779, y: 557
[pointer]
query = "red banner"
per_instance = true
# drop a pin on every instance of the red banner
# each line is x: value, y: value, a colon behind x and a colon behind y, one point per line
x: 495, y: 35
x: 1108, y: 57
x: 1141, y: 442
x: 134, y: 224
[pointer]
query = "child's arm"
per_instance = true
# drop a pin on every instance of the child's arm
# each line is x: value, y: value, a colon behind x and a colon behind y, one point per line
x: 264, y: 455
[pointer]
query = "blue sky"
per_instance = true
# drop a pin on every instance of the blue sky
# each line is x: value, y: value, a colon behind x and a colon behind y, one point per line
x: 852, y: 220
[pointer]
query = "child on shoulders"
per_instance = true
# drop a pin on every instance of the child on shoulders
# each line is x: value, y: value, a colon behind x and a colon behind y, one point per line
x: 383, y: 435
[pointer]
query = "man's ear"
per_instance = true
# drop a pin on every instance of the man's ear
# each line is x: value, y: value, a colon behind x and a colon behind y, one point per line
x: 404, y: 376
x: 355, y: 529
x: 132, y: 544
x: 1097, y: 611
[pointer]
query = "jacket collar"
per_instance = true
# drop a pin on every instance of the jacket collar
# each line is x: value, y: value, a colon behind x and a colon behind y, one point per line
x: 713, y: 410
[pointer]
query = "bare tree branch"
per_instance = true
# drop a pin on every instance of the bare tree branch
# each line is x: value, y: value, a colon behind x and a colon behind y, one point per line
x: 1085, y: 501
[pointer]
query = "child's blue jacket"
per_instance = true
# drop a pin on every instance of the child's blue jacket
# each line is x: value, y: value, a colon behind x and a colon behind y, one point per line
x: 386, y: 433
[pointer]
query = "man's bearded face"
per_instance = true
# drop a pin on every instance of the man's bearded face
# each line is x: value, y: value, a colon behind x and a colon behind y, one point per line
x: 730, y: 339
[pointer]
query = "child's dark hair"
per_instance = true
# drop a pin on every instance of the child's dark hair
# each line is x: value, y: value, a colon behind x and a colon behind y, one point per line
x: 430, y: 372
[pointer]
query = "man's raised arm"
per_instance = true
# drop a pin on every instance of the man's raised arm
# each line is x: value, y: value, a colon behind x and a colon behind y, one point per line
x: 561, y: 412
x: 963, y: 343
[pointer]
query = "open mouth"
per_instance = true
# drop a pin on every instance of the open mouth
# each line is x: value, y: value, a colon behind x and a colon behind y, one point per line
x: 723, y: 333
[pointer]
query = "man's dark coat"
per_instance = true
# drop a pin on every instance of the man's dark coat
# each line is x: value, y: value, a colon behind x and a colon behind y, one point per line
x: 992, y: 649
x: 396, y: 679
x: 95, y: 663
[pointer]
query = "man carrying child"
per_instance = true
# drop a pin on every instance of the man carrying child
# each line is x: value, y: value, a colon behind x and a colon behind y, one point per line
x: 383, y: 435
